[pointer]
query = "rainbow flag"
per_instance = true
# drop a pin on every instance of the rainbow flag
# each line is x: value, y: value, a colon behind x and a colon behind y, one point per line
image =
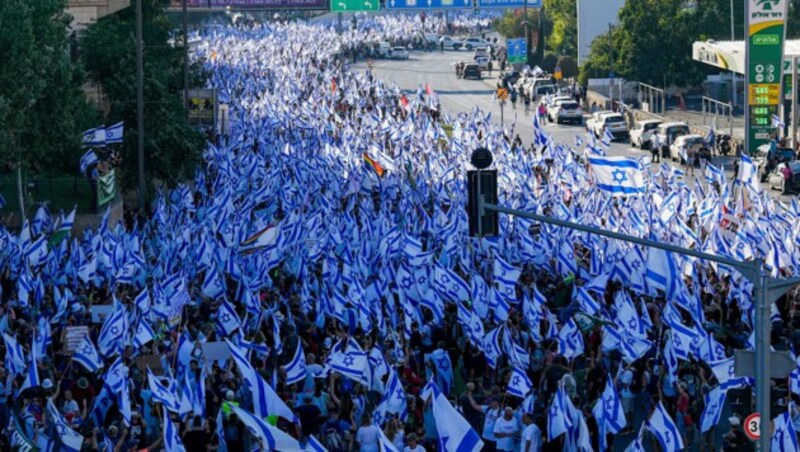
x: 374, y: 164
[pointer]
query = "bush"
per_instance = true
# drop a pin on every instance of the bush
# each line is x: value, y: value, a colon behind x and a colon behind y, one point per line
x: 568, y: 65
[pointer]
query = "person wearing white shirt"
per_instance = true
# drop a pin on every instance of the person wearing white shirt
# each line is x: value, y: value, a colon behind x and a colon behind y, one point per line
x: 505, y: 429
x: 491, y: 414
x: 531, y: 436
x: 413, y: 446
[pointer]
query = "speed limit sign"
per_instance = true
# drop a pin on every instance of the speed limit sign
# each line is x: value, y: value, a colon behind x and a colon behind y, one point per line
x: 752, y: 426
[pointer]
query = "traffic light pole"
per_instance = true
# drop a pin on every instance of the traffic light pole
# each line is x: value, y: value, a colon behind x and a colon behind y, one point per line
x: 765, y: 291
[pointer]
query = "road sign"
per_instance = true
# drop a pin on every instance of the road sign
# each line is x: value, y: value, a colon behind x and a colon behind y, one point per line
x: 502, y: 93
x: 766, y: 26
x: 258, y: 4
x: 509, y: 3
x: 752, y: 426
x: 432, y: 4
x: 517, y: 50
x: 342, y: 6
x: 780, y: 363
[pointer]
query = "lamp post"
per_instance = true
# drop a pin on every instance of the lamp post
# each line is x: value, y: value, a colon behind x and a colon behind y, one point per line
x: 140, y: 106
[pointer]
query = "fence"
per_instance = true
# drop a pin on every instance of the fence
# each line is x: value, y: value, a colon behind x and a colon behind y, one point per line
x: 60, y: 193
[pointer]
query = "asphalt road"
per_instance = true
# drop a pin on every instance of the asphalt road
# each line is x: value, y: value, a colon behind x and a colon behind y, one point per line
x: 457, y: 95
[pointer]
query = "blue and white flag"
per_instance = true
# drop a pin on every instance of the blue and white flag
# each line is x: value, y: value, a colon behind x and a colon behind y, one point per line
x: 271, y: 438
x: 227, y: 319
x: 609, y: 412
x: 94, y: 137
x: 353, y: 365
x: 144, y: 334
x: 663, y: 427
x: 161, y: 393
x: 384, y: 443
x: 661, y: 271
x: 714, y: 402
x: 558, y: 420
x: 86, y: 355
x: 213, y: 285
x: 570, y: 340
x: 455, y: 433
x: 15, y: 356
x: 444, y: 369
x: 110, y: 341
x: 785, y: 436
x: 32, y: 377
x: 519, y: 384
x: 393, y: 401
x: 607, y: 138
x: 114, y: 133
x: 172, y: 439
x: 296, y: 368
x: 777, y: 122
x: 619, y: 176
x: 70, y: 439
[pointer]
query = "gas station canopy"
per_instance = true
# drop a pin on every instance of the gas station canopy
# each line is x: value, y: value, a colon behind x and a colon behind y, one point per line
x: 729, y: 55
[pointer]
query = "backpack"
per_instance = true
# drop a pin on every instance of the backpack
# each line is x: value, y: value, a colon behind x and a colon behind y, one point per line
x: 334, y: 440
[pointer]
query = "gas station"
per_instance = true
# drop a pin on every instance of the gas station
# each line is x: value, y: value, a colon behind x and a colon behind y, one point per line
x: 730, y: 56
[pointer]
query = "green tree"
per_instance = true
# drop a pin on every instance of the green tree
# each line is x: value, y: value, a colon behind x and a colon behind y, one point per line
x: 42, y: 107
x: 568, y: 65
x: 172, y: 147
x: 512, y: 25
x: 562, y: 36
x: 793, y: 23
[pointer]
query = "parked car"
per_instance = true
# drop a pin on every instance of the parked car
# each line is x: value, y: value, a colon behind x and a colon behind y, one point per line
x: 595, y: 118
x: 785, y: 177
x: 614, y: 122
x: 398, y: 53
x: 475, y: 42
x: 551, y: 103
x: 692, y: 142
x: 483, y: 63
x: 566, y: 111
x: 452, y: 43
x: 642, y: 133
x: 668, y: 132
x: 472, y: 71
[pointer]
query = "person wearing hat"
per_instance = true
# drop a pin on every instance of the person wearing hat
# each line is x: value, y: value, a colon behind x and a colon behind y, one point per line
x: 82, y: 391
x: 505, y: 429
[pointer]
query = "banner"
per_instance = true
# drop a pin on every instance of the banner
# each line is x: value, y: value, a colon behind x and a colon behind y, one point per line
x: 261, y: 4
x: 106, y: 188
x: 766, y: 33
x: 19, y: 442
x: 73, y: 335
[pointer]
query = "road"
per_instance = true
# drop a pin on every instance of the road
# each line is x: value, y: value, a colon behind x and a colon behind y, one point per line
x: 457, y: 95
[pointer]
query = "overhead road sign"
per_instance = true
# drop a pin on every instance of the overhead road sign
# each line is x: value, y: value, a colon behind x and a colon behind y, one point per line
x: 517, y: 50
x: 349, y: 6
x: 509, y: 3
x: 257, y: 4
x: 429, y: 4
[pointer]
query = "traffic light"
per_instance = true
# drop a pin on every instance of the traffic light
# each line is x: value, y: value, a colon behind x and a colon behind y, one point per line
x: 488, y: 189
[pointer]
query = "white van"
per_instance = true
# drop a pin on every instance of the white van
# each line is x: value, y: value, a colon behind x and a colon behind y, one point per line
x: 383, y: 49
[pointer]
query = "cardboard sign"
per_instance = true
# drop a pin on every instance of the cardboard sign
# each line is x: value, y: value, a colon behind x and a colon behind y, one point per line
x: 729, y: 225
x: 100, y: 312
x: 216, y: 351
x: 152, y: 361
x: 72, y: 337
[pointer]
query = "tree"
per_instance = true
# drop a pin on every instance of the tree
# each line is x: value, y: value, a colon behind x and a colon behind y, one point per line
x: 172, y: 147
x: 42, y: 107
x: 563, y: 34
x: 511, y: 25
x: 549, y: 62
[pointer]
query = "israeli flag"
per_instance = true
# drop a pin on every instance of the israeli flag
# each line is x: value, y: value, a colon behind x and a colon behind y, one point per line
x: 608, y: 137
x: 86, y: 355
x: 711, y: 135
x: 714, y: 402
x: 172, y: 440
x: 519, y: 385
x: 557, y: 420
x: 618, y: 175
x: 144, y: 334
x: 32, y: 377
x: 608, y: 411
x: 271, y: 437
x: 455, y: 433
x: 111, y: 334
x: 785, y: 436
x: 570, y: 340
x: 663, y: 427
x: 161, y: 393
x: 70, y: 439
x: 94, y: 137
x: 88, y: 159
x: 15, y: 356
x: 114, y: 133
x: 777, y: 123
x: 296, y: 368
x: 227, y: 319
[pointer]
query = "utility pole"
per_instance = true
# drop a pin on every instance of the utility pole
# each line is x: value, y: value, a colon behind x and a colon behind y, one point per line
x: 527, y: 34
x: 185, y: 58
x: 793, y: 93
x: 140, y: 105
x: 733, y: 73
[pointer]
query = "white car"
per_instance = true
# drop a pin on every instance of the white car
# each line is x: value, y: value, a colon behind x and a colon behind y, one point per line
x: 483, y: 63
x: 565, y: 111
x: 480, y: 52
x: 473, y: 43
x: 642, y: 133
x: 398, y: 53
x: 691, y: 142
x: 451, y: 43
x: 667, y: 132
x: 614, y: 122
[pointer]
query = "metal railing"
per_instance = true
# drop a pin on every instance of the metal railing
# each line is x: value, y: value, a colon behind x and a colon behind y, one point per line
x: 714, y: 109
x: 651, y: 99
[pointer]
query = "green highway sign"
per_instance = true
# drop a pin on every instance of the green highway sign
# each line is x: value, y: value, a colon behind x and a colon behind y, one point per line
x: 766, y: 25
x: 346, y: 6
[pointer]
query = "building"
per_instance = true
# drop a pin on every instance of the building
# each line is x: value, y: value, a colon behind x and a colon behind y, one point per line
x: 594, y: 17
x: 84, y: 12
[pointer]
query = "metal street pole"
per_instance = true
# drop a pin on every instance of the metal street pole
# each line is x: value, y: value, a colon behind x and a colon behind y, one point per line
x: 339, y: 23
x: 185, y: 18
x: 793, y: 93
x: 527, y: 32
x: 140, y: 105
x: 733, y: 73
